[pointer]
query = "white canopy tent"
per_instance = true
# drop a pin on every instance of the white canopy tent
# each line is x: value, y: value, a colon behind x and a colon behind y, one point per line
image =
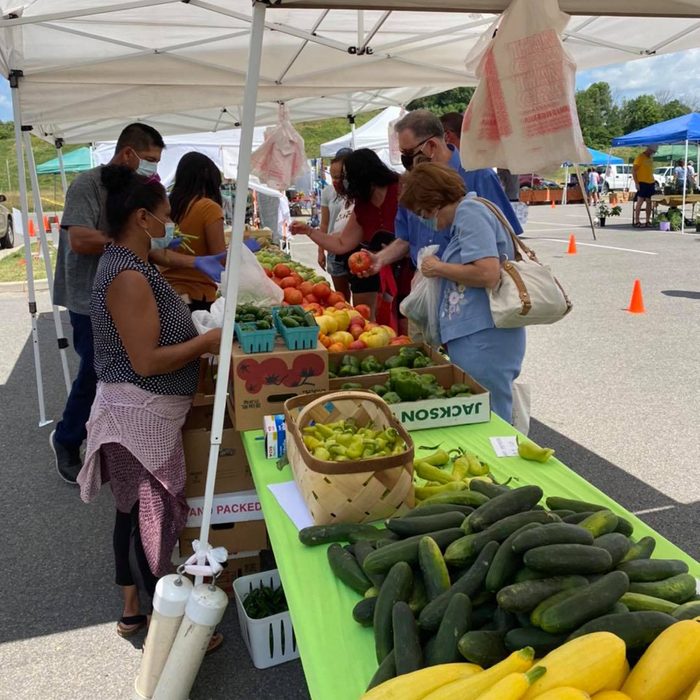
x: 373, y: 134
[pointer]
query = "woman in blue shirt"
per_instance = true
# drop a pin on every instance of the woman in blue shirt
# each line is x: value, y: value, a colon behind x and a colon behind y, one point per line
x: 469, y: 265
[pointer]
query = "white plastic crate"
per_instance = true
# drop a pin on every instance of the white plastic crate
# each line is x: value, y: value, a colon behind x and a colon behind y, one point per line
x: 271, y: 640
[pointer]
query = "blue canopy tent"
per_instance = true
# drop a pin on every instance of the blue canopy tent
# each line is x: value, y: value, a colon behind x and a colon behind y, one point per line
x: 74, y: 162
x: 685, y: 129
x: 600, y: 158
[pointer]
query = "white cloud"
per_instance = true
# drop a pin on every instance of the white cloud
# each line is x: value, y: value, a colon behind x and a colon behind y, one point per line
x: 677, y: 74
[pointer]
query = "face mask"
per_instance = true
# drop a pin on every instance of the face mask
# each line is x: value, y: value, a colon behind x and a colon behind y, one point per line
x: 430, y: 223
x: 146, y: 168
x: 167, y: 239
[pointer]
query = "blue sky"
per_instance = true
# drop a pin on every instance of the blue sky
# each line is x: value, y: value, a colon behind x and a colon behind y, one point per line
x: 677, y: 74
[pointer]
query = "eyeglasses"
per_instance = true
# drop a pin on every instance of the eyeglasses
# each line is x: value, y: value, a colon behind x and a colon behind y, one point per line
x: 411, y: 152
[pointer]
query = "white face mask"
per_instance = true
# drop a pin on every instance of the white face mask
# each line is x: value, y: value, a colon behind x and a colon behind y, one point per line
x: 167, y: 239
x: 147, y: 168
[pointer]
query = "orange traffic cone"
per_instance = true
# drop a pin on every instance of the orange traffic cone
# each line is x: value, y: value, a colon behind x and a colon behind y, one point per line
x: 636, y: 302
x: 32, y: 228
x: 571, y: 250
x: 554, y: 206
x: 47, y: 226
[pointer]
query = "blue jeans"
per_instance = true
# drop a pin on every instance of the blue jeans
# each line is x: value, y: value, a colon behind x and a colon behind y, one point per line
x: 71, y: 431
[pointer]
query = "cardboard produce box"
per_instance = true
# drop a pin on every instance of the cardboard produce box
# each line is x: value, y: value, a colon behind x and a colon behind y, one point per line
x: 383, y: 354
x: 233, y: 470
x: 439, y: 413
x: 263, y: 381
x: 226, y: 508
x: 237, y: 567
x: 244, y: 538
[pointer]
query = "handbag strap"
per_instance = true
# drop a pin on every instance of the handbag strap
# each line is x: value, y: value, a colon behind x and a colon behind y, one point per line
x: 518, y: 245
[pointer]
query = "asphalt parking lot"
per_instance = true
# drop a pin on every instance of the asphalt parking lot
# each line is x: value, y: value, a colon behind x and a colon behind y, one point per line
x: 616, y: 394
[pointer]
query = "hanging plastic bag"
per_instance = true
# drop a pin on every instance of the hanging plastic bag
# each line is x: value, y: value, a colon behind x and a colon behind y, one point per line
x: 281, y: 159
x: 208, y: 320
x: 421, y: 306
x: 394, y: 150
x: 523, y: 114
x: 254, y: 286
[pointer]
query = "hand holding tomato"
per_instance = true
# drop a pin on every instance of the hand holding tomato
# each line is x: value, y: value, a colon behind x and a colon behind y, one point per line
x: 369, y: 265
x: 359, y: 262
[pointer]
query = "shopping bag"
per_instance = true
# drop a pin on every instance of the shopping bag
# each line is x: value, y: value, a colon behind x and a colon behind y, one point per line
x: 281, y: 159
x: 422, y: 304
x: 254, y: 286
x: 523, y: 114
x: 208, y: 320
x: 521, y: 407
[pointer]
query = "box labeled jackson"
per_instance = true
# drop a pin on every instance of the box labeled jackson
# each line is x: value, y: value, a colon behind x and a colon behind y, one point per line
x: 263, y: 381
x: 243, y: 538
x: 275, y: 430
x: 226, y: 508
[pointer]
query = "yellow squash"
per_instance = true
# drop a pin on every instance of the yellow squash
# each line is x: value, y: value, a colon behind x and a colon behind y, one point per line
x: 695, y: 692
x: 616, y: 682
x: 471, y: 688
x: 416, y: 685
x: 589, y: 663
x: 513, y: 686
x: 668, y: 666
x: 610, y: 695
x: 564, y: 693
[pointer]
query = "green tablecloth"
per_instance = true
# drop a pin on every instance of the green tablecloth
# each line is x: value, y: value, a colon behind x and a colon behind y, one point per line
x: 336, y: 652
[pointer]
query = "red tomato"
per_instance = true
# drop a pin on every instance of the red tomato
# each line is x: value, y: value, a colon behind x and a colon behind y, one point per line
x: 281, y: 270
x: 335, y: 298
x: 288, y: 281
x: 293, y: 296
x: 306, y: 288
x: 321, y: 290
x: 359, y: 262
x: 364, y: 310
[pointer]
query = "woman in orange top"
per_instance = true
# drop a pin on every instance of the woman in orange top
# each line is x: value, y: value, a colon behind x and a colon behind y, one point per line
x: 195, y: 206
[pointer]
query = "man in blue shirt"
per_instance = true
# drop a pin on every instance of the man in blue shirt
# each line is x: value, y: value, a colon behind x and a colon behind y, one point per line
x: 422, y: 136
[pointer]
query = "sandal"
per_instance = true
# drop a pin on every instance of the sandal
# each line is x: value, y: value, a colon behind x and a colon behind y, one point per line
x: 217, y: 639
x: 129, y: 626
x: 636, y: 224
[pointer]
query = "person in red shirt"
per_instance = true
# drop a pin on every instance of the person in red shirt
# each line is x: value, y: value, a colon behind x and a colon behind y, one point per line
x: 374, y: 190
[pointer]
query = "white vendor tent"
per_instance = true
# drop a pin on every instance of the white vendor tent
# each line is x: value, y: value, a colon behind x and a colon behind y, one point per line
x: 373, y: 134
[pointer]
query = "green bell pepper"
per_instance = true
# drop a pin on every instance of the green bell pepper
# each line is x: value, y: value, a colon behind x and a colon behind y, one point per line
x: 397, y: 361
x: 407, y: 385
x: 409, y: 353
x: 460, y: 390
x: 371, y: 365
x: 379, y: 389
x: 391, y: 397
x: 421, y: 361
x: 348, y: 371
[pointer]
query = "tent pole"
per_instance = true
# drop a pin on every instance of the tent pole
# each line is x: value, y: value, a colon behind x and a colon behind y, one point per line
x: 59, y: 152
x: 585, y: 199
x: 43, y: 233
x: 564, y: 198
x: 232, y: 264
x: 685, y: 187
x: 351, y: 121
x: 14, y: 77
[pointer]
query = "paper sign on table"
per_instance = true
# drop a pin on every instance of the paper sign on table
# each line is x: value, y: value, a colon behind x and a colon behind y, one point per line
x: 505, y: 446
x: 292, y: 503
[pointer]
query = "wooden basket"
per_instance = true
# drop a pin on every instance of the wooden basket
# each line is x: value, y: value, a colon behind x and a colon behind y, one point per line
x: 348, y: 492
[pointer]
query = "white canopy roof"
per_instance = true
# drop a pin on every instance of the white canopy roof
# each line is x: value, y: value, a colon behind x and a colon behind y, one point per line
x: 181, y: 66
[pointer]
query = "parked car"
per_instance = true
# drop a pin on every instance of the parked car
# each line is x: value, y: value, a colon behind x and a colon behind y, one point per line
x: 664, y: 175
x: 619, y: 177
x: 7, y: 233
x: 532, y: 180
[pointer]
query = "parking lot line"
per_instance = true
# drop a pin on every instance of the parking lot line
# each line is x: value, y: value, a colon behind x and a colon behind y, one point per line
x: 598, y: 245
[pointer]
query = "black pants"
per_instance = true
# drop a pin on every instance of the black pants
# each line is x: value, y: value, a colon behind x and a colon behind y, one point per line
x: 126, y: 526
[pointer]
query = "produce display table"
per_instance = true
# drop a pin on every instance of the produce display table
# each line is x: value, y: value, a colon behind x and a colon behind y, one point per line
x: 336, y: 652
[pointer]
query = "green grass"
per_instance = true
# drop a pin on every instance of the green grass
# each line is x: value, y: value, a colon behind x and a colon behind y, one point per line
x: 14, y: 269
x: 318, y: 132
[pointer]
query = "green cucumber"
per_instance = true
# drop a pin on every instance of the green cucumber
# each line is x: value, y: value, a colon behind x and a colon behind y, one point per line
x: 577, y: 518
x: 624, y: 526
x: 385, y: 672
x: 407, y: 527
x: 487, y: 488
x: 568, y: 559
x: 483, y: 647
x: 641, y: 550
x: 615, y: 543
x: 482, y: 614
x: 585, y: 604
x: 462, y: 498
x: 618, y: 608
x: 643, y: 570
x: 503, y: 621
x: 396, y: 587
x: 552, y: 533
x: 363, y: 612
x: 563, y: 513
x: 345, y: 567
x: 600, y: 523
x: 636, y: 629
x: 408, y: 653
x: 687, y: 611
x: 419, y: 596
x: 527, y: 595
x: 465, y: 548
x: 324, y: 534
x: 551, y: 601
x: 366, y: 536
x: 506, y: 562
x: 381, y: 560
x: 432, y: 565
x: 526, y: 574
x: 469, y: 583
x: 557, y: 503
x: 638, y: 602
x: 542, y: 642
x: 455, y: 623
x: 503, y: 505
x: 362, y: 551
x: 437, y: 509
x: 677, y: 589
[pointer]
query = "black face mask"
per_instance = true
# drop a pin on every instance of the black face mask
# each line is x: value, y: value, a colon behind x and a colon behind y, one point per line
x: 407, y: 161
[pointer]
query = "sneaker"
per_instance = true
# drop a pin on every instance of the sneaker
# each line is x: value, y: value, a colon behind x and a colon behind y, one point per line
x: 68, y: 462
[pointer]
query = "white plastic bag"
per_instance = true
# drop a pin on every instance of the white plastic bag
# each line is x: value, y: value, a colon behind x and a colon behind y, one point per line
x: 254, y: 286
x: 208, y: 320
x: 521, y: 407
x: 281, y: 159
x: 523, y: 114
x: 394, y: 150
x: 421, y: 306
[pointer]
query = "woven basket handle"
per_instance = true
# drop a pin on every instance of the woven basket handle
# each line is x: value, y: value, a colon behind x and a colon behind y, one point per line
x: 518, y: 245
x: 361, y: 466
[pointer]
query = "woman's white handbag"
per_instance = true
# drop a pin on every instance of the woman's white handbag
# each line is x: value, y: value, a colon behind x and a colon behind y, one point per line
x: 528, y: 293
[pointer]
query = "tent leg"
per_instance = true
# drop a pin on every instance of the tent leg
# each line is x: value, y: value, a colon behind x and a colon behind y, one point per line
x: 231, y: 289
x: 31, y: 295
x: 43, y: 233
x: 685, y: 187
x: 351, y: 121
x: 59, y: 153
x: 564, y: 197
x: 585, y: 199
